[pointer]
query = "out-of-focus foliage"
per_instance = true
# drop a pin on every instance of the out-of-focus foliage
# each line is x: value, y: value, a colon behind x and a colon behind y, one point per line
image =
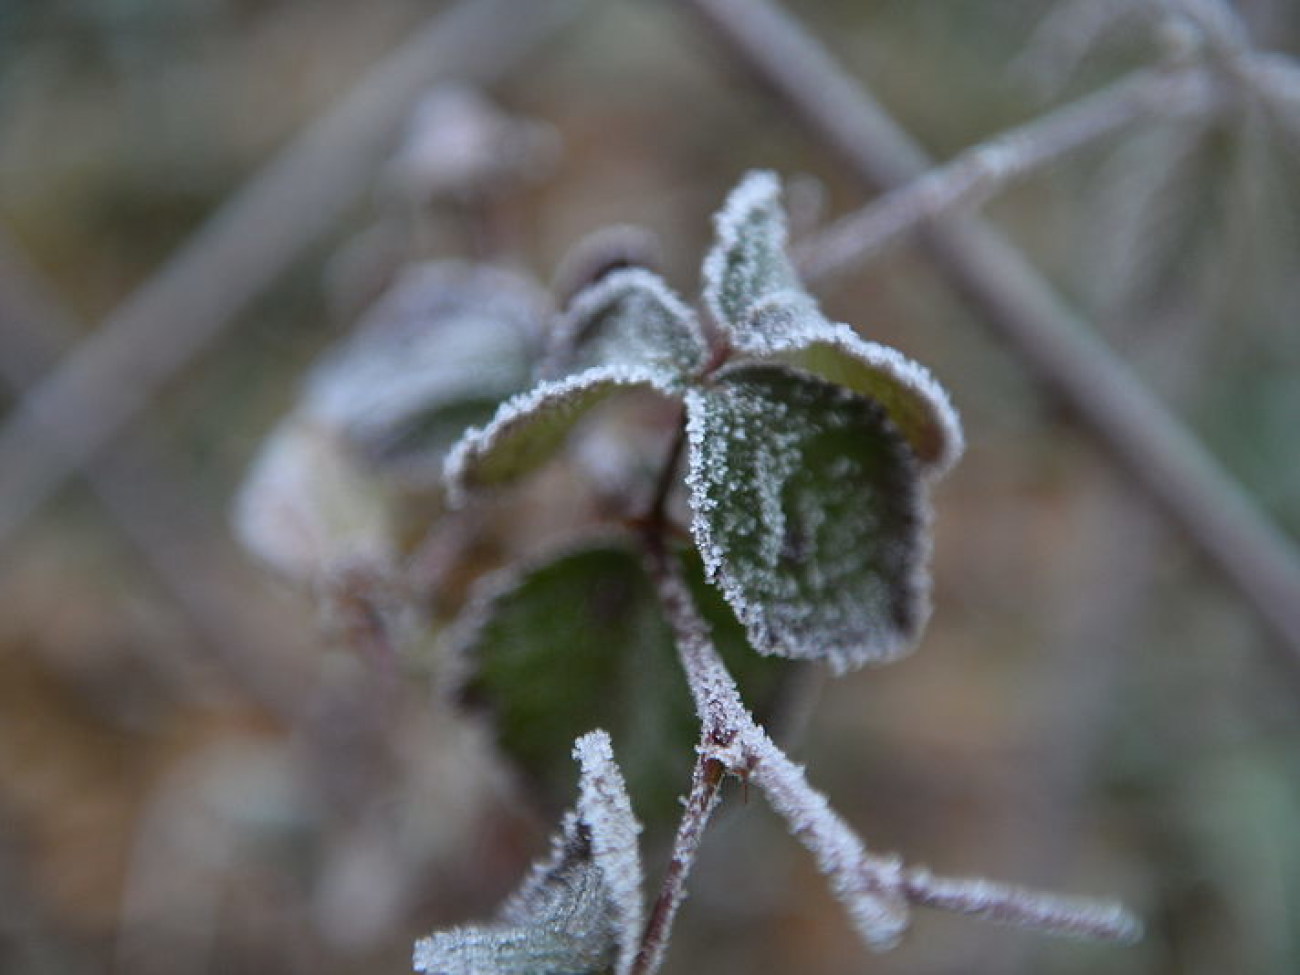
x: 1090, y: 711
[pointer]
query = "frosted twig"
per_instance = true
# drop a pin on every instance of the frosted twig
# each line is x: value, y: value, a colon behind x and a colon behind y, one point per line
x: 98, y: 389
x: 977, y: 174
x: 875, y: 890
x: 1080, y: 917
x: 700, y: 804
x: 1109, y: 399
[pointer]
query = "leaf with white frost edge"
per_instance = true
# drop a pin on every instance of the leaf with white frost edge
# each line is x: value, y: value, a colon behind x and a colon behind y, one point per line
x: 748, y: 262
x: 810, y: 515
x: 578, y: 912
x: 628, y: 317
x: 529, y: 428
x: 754, y: 291
x: 790, y: 333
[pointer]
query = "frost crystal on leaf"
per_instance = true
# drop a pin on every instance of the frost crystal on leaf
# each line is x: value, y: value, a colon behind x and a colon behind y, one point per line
x: 631, y: 318
x: 529, y: 428
x: 810, y: 514
x: 748, y: 261
x: 754, y: 291
x: 578, y: 912
x: 915, y: 401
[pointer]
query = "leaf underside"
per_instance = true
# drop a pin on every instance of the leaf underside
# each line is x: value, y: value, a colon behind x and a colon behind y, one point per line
x: 810, y: 515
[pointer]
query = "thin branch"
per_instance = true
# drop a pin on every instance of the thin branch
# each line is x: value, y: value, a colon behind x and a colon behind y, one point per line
x: 84, y: 403
x: 875, y: 890
x: 1007, y: 904
x: 981, y: 172
x: 700, y: 804
x: 1110, y: 400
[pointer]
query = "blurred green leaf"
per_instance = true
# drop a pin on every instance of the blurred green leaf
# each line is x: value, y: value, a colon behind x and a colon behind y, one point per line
x: 581, y: 641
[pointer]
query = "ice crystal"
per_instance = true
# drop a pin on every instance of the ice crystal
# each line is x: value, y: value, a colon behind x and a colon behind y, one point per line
x: 810, y: 515
x: 580, y: 911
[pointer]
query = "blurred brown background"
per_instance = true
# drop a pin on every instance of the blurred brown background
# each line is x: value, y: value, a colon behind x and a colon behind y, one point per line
x: 1092, y: 709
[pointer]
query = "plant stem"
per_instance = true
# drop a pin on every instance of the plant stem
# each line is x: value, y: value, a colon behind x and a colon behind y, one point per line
x: 700, y: 804
x: 979, y: 173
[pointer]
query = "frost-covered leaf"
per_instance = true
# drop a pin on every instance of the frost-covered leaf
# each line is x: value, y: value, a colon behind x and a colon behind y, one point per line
x: 580, y: 640
x: 579, y: 912
x: 632, y: 318
x: 306, y: 508
x: 435, y: 355
x: 529, y: 428
x: 810, y: 514
x: 754, y: 291
x: 748, y: 263
x: 915, y: 401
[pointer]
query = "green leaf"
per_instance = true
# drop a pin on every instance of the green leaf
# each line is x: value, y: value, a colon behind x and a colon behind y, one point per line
x: 629, y: 317
x: 915, y: 401
x: 575, y: 642
x: 581, y: 640
x: 748, y: 263
x: 528, y: 429
x: 580, y: 912
x: 810, y: 515
x: 753, y: 290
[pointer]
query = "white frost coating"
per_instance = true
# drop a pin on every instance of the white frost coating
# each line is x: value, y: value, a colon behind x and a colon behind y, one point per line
x: 820, y: 556
x: 579, y: 910
x: 748, y: 259
x: 628, y: 317
x: 604, y: 806
x: 785, y: 327
x: 870, y: 888
x: 529, y: 426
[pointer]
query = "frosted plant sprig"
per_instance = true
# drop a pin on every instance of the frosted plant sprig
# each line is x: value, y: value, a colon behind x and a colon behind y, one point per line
x: 809, y: 454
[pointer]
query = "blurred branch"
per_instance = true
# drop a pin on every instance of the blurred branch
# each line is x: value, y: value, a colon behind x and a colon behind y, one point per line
x: 981, y: 172
x: 1109, y: 399
x: 188, y: 554
x: 82, y: 405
